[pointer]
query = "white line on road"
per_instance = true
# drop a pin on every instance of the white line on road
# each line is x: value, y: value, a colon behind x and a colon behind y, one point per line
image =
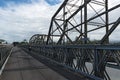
x: 1, y: 70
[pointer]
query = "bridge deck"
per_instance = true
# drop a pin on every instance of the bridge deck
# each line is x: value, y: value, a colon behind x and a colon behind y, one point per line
x: 22, y: 66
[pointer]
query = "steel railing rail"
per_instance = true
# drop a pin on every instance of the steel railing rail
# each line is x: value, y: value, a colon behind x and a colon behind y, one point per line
x: 78, y: 57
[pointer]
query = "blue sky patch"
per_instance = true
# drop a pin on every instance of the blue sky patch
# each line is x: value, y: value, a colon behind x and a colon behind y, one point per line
x: 4, y: 3
x: 53, y: 2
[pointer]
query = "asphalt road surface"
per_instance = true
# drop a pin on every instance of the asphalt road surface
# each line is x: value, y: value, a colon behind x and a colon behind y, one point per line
x: 22, y: 66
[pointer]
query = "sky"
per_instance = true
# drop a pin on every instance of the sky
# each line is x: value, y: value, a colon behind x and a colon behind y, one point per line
x: 20, y: 19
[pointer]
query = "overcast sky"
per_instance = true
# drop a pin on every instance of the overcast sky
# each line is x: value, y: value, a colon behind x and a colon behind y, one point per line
x: 20, y: 19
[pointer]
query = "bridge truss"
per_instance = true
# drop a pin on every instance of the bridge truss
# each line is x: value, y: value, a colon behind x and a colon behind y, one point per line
x: 76, y: 20
x: 91, y: 61
x: 38, y: 39
x: 68, y: 40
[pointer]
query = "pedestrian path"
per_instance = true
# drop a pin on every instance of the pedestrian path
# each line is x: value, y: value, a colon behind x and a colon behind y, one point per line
x: 22, y: 66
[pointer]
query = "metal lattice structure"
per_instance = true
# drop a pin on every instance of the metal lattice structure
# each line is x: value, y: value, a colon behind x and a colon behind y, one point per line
x: 75, y: 20
x: 85, y: 59
x: 38, y: 39
x: 68, y: 38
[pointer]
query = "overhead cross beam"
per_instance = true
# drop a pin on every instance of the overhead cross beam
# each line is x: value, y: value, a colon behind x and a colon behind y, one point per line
x: 73, y: 21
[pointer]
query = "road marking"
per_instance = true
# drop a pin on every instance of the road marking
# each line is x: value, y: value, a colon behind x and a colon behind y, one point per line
x: 1, y: 70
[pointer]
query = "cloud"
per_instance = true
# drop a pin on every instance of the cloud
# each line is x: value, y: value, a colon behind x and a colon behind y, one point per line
x: 18, y: 22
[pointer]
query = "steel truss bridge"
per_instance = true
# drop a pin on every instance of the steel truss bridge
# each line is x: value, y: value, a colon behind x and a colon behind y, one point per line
x: 68, y: 41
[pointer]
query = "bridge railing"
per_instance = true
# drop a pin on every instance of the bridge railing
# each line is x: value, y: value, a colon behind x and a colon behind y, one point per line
x: 4, y: 52
x: 93, y: 60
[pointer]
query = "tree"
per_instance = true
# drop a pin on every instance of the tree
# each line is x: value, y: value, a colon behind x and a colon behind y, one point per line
x: 24, y: 41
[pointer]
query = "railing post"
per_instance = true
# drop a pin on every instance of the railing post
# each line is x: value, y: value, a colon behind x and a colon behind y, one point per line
x: 96, y: 62
x: 55, y: 56
x: 99, y: 67
x: 0, y: 56
x: 69, y: 58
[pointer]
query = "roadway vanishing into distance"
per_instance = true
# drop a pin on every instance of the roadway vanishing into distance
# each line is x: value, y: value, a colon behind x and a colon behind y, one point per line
x: 66, y: 52
x: 22, y: 66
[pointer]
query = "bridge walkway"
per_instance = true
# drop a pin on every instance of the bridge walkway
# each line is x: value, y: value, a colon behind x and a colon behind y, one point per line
x: 22, y: 66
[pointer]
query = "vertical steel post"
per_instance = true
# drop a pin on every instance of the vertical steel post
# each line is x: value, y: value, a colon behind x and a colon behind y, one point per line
x: 96, y: 62
x: 1, y: 60
x: 1, y: 56
x: 99, y: 68
x: 107, y: 20
x: 64, y: 26
x: 81, y: 24
x: 85, y: 20
x: 49, y: 33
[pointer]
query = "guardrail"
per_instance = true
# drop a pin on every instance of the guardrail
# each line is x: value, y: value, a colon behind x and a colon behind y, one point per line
x: 90, y: 60
x: 4, y: 52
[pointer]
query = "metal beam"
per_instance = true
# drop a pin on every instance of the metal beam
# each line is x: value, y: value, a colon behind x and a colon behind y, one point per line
x: 80, y: 8
x: 110, y: 31
x: 107, y: 19
x: 113, y: 8
x: 85, y: 20
x: 99, y: 27
x: 49, y: 33
x: 64, y: 3
x: 62, y: 34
